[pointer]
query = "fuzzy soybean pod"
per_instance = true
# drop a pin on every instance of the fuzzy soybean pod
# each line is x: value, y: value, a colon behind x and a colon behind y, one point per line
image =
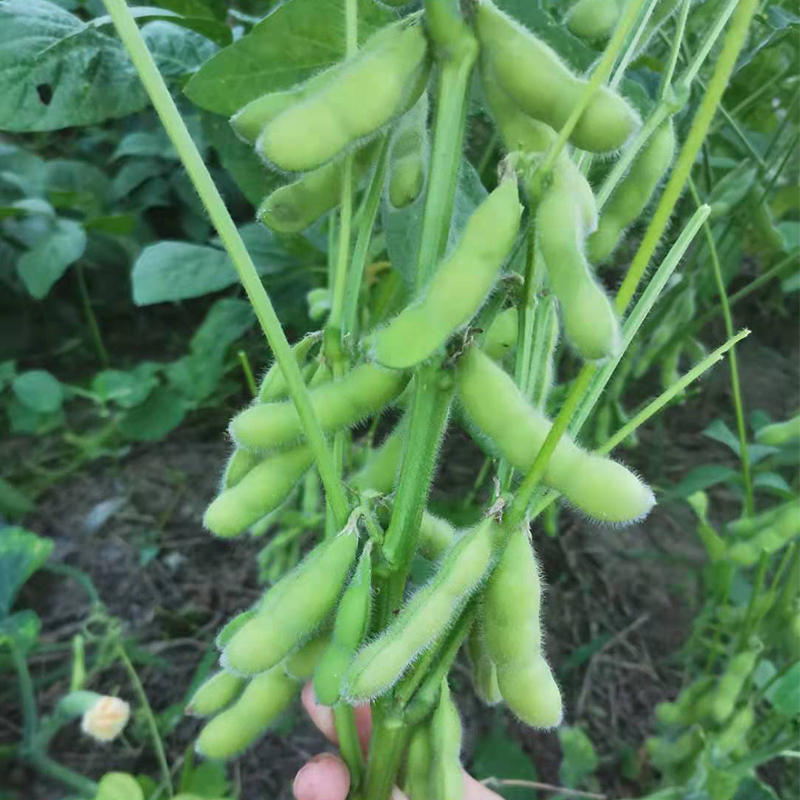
x: 352, y: 622
x: 425, y: 617
x: 735, y: 732
x: 598, y: 486
x: 731, y: 684
x: 633, y: 193
x: 416, y: 783
x: 380, y: 471
x: 363, y: 391
x: 367, y: 92
x: 460, y: 284
x: 219, y: 691
x: 512, y: 606
x: 484, y: 672
x: 501, y: 337
x: 536, y: 79
x: 769, y: 539
x: 779, y: 432
x: 301, y: 664
x: 294, y: 608
x: 590, y: 321
x: 408, y: 155
x: 748, y: 526
x: 447, y: 778
x: 266, y: 696
x: 436, y: 535
x: 260, y: 491
x: 593, y: 19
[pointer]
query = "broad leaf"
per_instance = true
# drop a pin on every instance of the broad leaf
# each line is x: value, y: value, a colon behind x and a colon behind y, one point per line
x: 701, y: 478
x: 13, y: 502
x: 161, y: 413
x: 126, y: 389
x: 49, y: 259
x: 21, y: 554
x: 784, y: 694
x: 499, y: 756
x: 579, y: 756
x: 38, y: 390
x: 21, y: 629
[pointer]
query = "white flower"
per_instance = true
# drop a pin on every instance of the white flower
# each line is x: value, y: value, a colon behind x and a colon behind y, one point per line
x: 105, y: 720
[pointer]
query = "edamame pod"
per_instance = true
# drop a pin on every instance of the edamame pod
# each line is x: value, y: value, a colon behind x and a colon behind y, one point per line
x: 598, y: 486
x: 460, y: 284
x: 273, y: 384
x: 408, y: 155
x: 501, y: 338
x: 447, y: 779
x: 536, y: 79
x: 562, y: 223
x: 779, y: 432
x: 769, y: 539
x: 301, y: 664
x: 593, y: 19
x: 436, y: 535
x: 365, y: 390
x: 368, y: 91
x: 633, y: 193
x: 416, y: 784
x: 732, y: 682
x: 261, y: 490
x: 265, y: 698
x: 380, y: 471
x: 293, y: 608
x: 425, y: 617
x: 484, y: 672
x: 735, y: 732
x: 352, y: 622
x: 747, y: 526
x: 221, y: 689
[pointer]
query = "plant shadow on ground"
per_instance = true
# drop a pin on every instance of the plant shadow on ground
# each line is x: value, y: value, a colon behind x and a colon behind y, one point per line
x: 618, y: 607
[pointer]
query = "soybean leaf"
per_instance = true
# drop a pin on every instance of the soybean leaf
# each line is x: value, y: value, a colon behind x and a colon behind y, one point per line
x: 21, y: 554
x: 161, y: 413
x: 779, y: 23
x: 205, y: 25
x: 50, y: 257
x: 126, y: 389
x: 38, y: 390
x: 579, y: 757
x: 23, y: 419
x: 751, y: 788
x: 499, y: 756
x: 152, y: 144
x: 13, y: 502
x: 701, y: 478
x: 295, y: 41
x: 20, y: 629
x: 784, y: 694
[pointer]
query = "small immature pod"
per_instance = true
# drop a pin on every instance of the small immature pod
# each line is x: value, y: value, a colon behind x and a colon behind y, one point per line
x: 352, y: 623
x: 293, y: 608
x: 562, y: 223
x: 425, y: 617
x: 447, y: 779
x: 367, y: 92
x: 732, y: 682
x: 633, y: 193
x: 593, y: 19
x: 748, y: 526
x: 273, y: 384
x: 436, y: 535
x: 536, y: 79
x: 265, y: 698
x: 301, y: 664
x: 779, y: 432
x: 735, y: 732
x: 408, y: 155
x: 221, y: 689
x: 460, y: 284
x: 416, y: 784
x: 598, y: 486
x: 484, y: 672
x: 501, y: 338
x: 260, y: 491
x: 380, y: 472
x: 365, y: 390
x: 771, y: 538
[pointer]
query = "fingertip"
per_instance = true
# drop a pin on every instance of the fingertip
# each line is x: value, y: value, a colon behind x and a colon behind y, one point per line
x: 321, y: 716
x: 325, y: 777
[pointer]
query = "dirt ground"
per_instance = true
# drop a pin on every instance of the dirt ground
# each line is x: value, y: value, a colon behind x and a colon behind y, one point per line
x: 134, y: 526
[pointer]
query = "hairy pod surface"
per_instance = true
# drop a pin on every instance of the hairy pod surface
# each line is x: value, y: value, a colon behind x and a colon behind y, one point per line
x: 598, y: 486
x: 408, y: 155
x: 447, y: 780
x: 368, y: 91
x: 293, y: 608
x: 380, y: 471
x: 593, y: 19
x: 484, y: 672
x: 436, y: 535
x: 263, y: 700
x: 458, y: 288
x: 776, y: 534
x: 633, y: 193
x: 735, y: 732
x: 261, y: 490
x: 424, y: 617
x: 218, y: 691
x: 536, y: 79
x: 779, y: 432
x: 365, y: 390
x: 501, y: 338
x: 301, y: 664
x: 419, y: 757
x: 273, y: 384
x: 563, y: 219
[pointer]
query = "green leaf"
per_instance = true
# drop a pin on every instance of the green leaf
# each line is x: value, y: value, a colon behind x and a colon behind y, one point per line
x: 42, y: 266
x: 161, y: 413
x: 133, y: 174
x: 206, y: 780
x: 701, y: 478
x: 21, y: 554
x: 579, y: 757
x: 118, y: 786
x: 38, y: 390
x: 753, y: 789
x: 23, y: 419
x: 13, y: 502
x: 21, y: 629
x: 784, y: 694
x: 151, y: 144
x: 295, y: 41
x: 126, y: 389
x: 498, y: 756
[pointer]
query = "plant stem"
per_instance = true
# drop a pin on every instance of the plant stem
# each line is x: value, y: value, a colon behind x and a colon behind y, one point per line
x: 248, y: 372
x: 234, y: 245
x: 26, y: 695
x: 91, y: 318
x: 674, y: 52
x: 349, y: 744
x: 709, y: 40
x: 385, y: 755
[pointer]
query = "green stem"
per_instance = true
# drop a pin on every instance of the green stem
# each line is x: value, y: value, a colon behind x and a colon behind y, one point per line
x: 710, y: 39
x: 61, y: 773
x: 674, y: 52
x: 755, y: 592
x: 385, y: 756
x: 788, y: 119
x: 91, y: 318
x: 349, y: 744
x: 244, y: 361
x: 234, y: 245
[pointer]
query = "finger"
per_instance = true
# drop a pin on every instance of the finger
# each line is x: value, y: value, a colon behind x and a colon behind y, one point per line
x: 475, y: 790
x: 322, y: 717
x: 325, y: 777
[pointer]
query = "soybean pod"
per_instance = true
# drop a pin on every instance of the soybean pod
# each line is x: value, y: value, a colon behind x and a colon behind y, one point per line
x: 416, y: 784
x: 501, y: 338
x: 779, y: 432
x: 219, y: 691
x: 408, y: 155
x: 380, y: 471
x: 776, y: 534
x: 447, y: 780
x: 732, y: 682
x: 594, y: 19
x: 484, y: 672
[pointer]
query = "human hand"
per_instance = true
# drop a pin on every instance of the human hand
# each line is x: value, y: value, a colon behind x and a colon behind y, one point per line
x: 325, y: 777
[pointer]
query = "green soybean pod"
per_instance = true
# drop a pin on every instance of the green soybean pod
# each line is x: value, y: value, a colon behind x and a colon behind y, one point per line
x: 293, y: 608
x: 501, y: 338
x: 447, y: 778
x: 735, y: 732
x: 352, y: 623
x: 273, y: 384
x: 219, y: 691
x: 260, y: 491
x: 633, y: 193
x: 536, y: 79
x: 666, y: 753
x: 590, y: 322
x: 368, y: 91
x: 363, y: 391
x: 379, y: 473
x: 779, y: 432
x: 408, y: 155
x: 295, y: 206
x: 301, y: 664
x: 484, y: 672
x: 748, y: 526
x: 436, y: 535
x: 598, y: 486
x: 769, y: 539
x: 424, y: 617
x: 593, y: 19
x: 263, y: 700
x: 458, y: 288
x: 731, y: 684
x: 416, y: 783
